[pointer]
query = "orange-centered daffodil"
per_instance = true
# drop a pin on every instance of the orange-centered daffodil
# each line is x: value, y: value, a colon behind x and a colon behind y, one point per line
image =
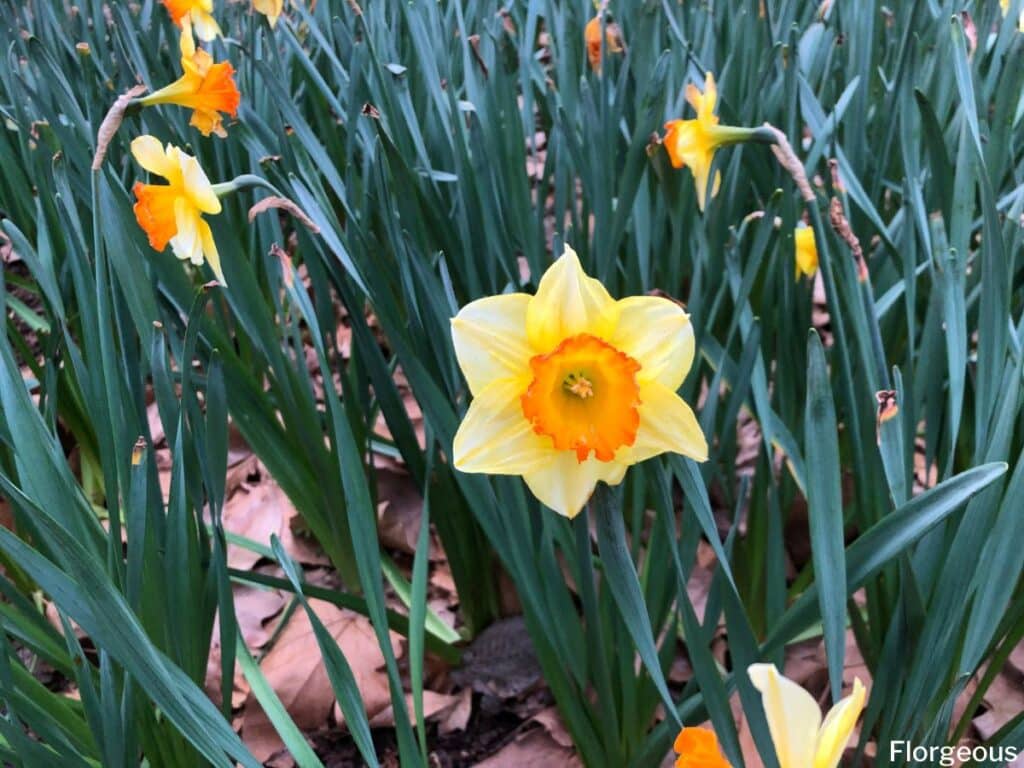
x: 806, y: 251
x: 698, y: 748
x: 272, y: 9
x: 173, y: 212
x: 592, y: 37
x: 801, y: 739
x: 204, y: 87
x: 693, y: 142
x: 198, y: 12
x: 571, y: 386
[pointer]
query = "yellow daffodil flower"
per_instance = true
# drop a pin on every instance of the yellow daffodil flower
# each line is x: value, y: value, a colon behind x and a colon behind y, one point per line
x: 693, y: 143
x: 698, y: 748
x: 571, y: 387
x: 1005, y: 5
x: 801, y: 739
x: 806, y: 250
x: 272, y: 9
x: 592, y: 37
x: 198, y: 12
x: 173, y: 212
x: 204, y: 87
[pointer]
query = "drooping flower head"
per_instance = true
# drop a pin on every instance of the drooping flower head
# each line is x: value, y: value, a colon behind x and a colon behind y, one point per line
x: 801, y: 739
x: 198, y: 12
x: 692, y: 143
x: 272, y: 9
x: 592, y: 37
x: 173, y: 212
x: 698, y: 748
x: 806, y: 250
x: 204, y: 87
x: 571, y: 386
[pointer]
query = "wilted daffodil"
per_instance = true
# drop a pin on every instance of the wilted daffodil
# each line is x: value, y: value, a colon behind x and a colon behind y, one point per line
x: 173, y: 212
x: 571, y: 386
x: 806, y: 251
x: 801, y: 739
x: 204, y: 87
x: 272, y: 9
x: 198, y: 12
x: 698, y: 748
x: 592, y: 37
x: 693, y: 142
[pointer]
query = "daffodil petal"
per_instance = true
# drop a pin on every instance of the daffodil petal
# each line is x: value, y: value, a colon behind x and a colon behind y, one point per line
x: 680, y: 136
x: 710, y: 99
x: 210, y: 252
x: 793, y: 716
x: 490, y: 339
x: 656, y: 332
x: 150, y: 154
x: 701, y: 173
x: 496, y: 438
x: 197, y: 185
x: 186, y: 43
x: 186, y: 243
x: 667, y: 424
x: 270, y: 8
x: 565, y: 484
x: 568, y: 302
x: 838, y: 726
x: 205, y: 26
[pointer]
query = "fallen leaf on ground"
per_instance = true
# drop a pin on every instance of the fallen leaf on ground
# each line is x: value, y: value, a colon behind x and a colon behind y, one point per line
x: 434, y: 705
x: 399, y: 512
x: 255, y: 512
x: 535, y: 748
x: 295, y: 670
x: 457, y: 718
x: 1004, y: 701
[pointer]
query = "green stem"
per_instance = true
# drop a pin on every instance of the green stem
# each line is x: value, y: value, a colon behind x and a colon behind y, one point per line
x: 243, y: 181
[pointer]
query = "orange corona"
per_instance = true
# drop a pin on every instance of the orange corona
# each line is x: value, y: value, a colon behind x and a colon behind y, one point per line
x: 584, y: 396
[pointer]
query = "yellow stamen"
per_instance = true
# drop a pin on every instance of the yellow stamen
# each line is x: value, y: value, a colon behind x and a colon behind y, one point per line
x: 579, y: 385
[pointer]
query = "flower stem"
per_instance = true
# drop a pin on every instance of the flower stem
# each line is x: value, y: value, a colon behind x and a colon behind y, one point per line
x: 243, y: 181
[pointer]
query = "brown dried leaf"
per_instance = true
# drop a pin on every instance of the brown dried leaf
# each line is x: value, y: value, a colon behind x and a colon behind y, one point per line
x: 295, y: 670
x: 400, y: 511
x: 112, y: 121
x: 457, y: 718
x: 535, y: 748
x: 435, y: 705
x: 274, y: 202
x: 1004, y: 700
x: 257, y: 512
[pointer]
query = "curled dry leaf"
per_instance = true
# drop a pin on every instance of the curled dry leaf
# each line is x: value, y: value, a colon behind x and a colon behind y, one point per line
x: 273, y: 201
x: 399, y: 512
x: 112, y: 121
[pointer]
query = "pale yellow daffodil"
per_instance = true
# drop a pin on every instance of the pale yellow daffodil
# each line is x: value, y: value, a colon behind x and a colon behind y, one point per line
x: 272, y: 9
x: 801, y: 739
x: 204, y: 87
x: 173, y: 212
x: 806, y: 250
x: 692, y: 143
x: 571, y: 387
